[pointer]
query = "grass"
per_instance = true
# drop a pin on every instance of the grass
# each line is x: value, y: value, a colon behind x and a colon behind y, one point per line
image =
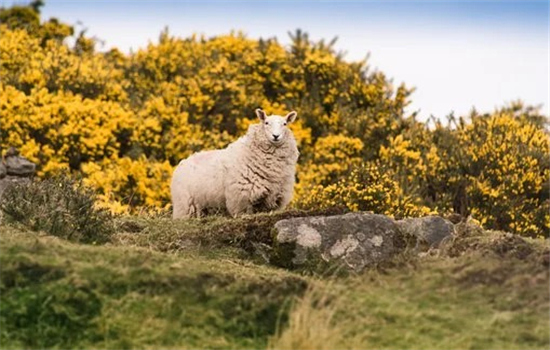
x: 65, y: 295
x: 205, y: 284
x: 444, y: 304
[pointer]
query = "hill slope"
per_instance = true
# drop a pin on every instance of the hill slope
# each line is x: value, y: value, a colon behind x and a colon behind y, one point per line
x: 483, y: 290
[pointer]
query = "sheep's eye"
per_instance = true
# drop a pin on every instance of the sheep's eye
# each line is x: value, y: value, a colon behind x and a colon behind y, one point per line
x: 266, y: 123
x: 284, y: 124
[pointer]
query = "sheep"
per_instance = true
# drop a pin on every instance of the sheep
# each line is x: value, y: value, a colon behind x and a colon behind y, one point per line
x: 253, y: 174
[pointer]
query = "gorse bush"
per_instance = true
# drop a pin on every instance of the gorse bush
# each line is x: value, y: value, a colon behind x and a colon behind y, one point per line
x: 60, y: 206
x: 123, y: 121
x: 367, y: 187
x: 502, y: 160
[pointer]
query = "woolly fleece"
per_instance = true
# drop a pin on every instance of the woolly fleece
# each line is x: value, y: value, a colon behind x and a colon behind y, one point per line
x: 253, y: 174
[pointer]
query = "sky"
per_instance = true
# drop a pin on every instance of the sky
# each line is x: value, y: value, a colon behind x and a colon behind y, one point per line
x: 457, y: 55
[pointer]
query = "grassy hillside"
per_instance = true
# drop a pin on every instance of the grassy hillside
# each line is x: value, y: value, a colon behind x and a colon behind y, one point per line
x: 198, y: 284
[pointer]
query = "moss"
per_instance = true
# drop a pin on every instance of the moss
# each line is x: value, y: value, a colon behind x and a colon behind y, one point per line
x: 245, y: 233
x: 283, y: 254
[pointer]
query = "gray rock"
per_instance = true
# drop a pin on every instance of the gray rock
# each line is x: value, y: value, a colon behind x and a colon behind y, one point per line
x: 15, y: 169
x: 19, y: 166
x: 358, y: 240
x: 430, y: 231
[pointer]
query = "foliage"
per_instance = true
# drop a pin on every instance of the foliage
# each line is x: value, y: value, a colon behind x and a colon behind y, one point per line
x: 502, y: 161
x: 366, y: 188
x: 123, y: 121
x: 60, y: 206
x: 124, y: 182
x: 63, y: 130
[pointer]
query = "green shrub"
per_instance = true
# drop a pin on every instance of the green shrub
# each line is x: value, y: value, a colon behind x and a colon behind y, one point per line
x: 60, y: 206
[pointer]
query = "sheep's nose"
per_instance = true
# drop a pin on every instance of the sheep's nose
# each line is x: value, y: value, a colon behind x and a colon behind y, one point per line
x: 275, y: 137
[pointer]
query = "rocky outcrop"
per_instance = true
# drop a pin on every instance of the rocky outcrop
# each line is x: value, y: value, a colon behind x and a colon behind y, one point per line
x: 429, y: 231
x: 358, y: 240
x: 14, y: 169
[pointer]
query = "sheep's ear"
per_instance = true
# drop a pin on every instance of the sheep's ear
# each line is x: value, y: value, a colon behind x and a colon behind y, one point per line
x: 260, y: 114
x: 290, y: 117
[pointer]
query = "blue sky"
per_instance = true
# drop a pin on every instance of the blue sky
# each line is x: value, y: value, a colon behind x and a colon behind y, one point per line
x: 456, y: 54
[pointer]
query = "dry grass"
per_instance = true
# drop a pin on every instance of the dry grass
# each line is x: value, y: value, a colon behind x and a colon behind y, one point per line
x: 311, y: 324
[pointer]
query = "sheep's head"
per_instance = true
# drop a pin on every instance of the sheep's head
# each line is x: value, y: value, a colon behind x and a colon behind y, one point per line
x: 275, y: 127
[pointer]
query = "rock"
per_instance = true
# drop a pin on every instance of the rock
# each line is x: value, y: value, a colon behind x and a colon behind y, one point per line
x: 15, y: 169
x: 358, y: 240
x: 17, y: 165
x: 430, y: 231
x: 3, y: 170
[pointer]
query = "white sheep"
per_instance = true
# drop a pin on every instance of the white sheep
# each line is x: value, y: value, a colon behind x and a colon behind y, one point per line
x: 253, y: 174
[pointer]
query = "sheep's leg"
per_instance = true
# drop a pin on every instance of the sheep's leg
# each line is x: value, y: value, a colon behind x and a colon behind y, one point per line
x: 184, y: 209
x: 180, y: 206
x: 271, y: 204
x: 238, y: 206
x: 284, y: 198
x: 180, y: 211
